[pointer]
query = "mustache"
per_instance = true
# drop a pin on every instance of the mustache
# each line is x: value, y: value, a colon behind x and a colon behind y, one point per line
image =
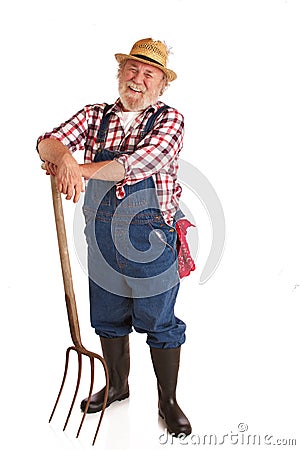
x: 136, y: 87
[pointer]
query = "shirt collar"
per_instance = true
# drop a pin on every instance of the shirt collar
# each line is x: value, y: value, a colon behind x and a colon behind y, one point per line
x: 117, y: 106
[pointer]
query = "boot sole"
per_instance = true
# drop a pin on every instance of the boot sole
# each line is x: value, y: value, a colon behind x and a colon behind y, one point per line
x: 98, y: 409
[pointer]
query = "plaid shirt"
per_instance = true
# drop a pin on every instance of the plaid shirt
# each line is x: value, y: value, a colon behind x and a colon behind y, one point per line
x: 155, y: 155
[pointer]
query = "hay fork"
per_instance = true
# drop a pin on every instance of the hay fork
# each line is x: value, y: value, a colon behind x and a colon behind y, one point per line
x: 73, y: 318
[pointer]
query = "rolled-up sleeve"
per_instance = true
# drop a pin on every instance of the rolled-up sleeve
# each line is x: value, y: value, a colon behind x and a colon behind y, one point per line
x: 157, y: 151
x: 71, y: 133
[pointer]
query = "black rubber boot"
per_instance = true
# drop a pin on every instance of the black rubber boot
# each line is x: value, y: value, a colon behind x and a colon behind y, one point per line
x: 166, y: 366
x: 116, y: 355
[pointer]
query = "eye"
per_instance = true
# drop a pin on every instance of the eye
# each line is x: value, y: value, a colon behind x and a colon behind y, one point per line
x: 132, y: 69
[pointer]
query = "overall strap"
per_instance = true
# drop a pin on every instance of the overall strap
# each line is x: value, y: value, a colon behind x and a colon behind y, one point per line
x: 102, y: 133
x: 151, y: 120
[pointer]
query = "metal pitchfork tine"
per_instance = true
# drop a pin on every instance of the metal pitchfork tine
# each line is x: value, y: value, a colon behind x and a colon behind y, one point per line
x: 73, y: 317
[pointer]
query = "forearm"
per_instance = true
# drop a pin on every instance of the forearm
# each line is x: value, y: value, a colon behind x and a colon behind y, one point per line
x: 53, y: 151
x: 66, y: 168
x: 104, y: 170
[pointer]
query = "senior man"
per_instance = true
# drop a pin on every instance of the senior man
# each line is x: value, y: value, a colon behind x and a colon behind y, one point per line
x: 131, y: 151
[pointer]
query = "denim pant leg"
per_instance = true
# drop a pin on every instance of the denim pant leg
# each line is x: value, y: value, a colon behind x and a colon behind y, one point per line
x: 155, y: 316
x: 110, y: 297
x: 111, y: 314
x: 155, y: 282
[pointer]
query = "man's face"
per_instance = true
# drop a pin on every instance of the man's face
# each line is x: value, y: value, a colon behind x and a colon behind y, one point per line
x: 140, y: 85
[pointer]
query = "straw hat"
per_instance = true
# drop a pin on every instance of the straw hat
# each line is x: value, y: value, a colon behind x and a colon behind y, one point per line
x: 150, y: 52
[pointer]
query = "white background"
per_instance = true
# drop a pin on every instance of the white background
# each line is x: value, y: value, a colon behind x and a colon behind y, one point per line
x: 238, y: 86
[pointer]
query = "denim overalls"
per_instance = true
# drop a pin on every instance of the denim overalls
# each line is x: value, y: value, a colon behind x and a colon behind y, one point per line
x: 132, y: 262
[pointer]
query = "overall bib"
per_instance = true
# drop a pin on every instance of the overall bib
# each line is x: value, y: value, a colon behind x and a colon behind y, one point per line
x: 132, y: 262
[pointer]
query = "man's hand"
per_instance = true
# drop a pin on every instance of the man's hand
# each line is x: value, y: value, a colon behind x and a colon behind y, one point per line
x: 50, y: 168
x: 60, y: 163
x: 69, y: 178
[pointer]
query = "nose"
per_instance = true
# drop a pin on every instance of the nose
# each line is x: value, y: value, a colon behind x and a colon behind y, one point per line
x: 138, y: 78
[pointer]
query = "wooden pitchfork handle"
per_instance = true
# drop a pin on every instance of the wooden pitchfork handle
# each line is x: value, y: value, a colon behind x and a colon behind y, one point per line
x: 73, y: 316
x: 65, y: 264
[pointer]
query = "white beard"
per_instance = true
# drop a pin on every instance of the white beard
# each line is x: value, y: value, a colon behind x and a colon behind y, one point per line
x: 136, y: 101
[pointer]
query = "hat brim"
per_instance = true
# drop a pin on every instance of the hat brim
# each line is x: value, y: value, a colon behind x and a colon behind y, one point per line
x: 171, y: 76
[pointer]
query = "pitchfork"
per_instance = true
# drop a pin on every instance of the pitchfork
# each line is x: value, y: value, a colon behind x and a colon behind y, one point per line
x: 73, y: 317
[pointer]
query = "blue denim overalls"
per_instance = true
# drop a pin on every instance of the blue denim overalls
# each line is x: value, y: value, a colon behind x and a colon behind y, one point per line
x: 132, y: 262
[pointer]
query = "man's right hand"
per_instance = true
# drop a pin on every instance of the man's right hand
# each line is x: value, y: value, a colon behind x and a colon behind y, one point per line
x: 69, y: 178
x: 60, y: 163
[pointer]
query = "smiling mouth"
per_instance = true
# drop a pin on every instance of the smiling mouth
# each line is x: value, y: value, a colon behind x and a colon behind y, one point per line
x: 137, y: 89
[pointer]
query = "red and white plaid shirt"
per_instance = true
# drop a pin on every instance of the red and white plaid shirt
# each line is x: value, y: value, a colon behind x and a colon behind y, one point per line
x: 155, y: 155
